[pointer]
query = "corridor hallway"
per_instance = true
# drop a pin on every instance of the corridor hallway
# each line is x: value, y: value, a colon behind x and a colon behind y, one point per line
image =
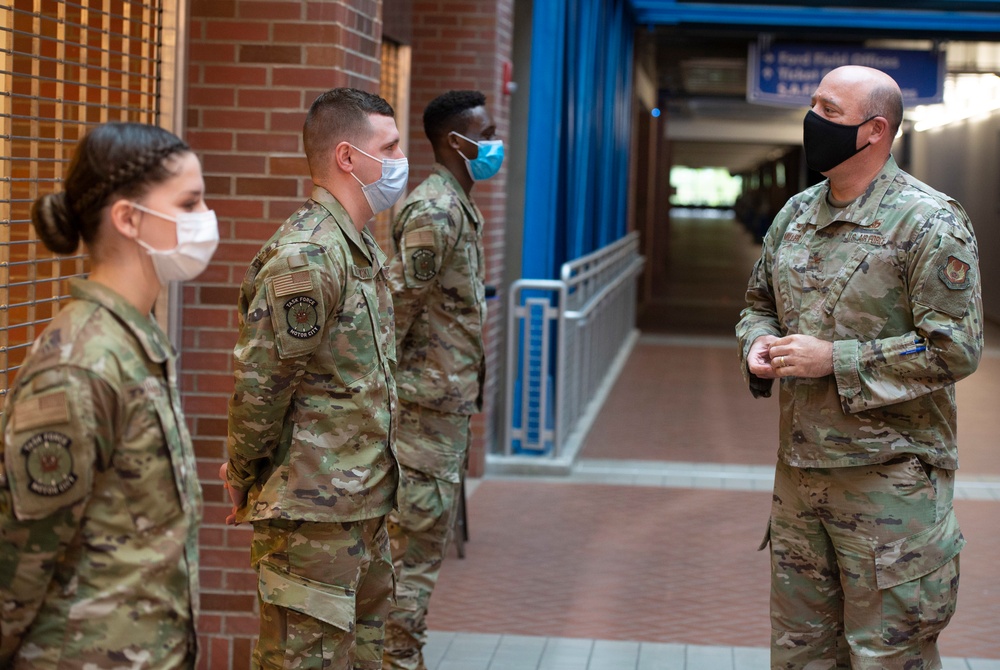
x: 646, y: 556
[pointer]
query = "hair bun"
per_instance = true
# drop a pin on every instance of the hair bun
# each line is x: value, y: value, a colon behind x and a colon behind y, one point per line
x: 55, y: 223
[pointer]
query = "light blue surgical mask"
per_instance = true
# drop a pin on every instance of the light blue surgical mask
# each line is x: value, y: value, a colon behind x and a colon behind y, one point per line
x: 487, y: 162
x: 383, y: 193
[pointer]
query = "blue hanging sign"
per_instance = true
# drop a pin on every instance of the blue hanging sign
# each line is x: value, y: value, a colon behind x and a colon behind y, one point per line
x: 788, y: 74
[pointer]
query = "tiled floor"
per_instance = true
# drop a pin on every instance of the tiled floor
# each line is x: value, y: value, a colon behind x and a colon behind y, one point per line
x: 644, y: 557
x: 485, y: 651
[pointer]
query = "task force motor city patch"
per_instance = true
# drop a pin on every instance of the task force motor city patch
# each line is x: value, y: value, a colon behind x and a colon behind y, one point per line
x: 423, y: 264
x: 302, y: 317
x: 49, y: 463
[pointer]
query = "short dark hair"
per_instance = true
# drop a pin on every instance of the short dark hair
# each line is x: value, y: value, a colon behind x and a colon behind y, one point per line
x: 449, y: 112
x: 886, y: 101
x: 113, y: 159
x: 335, y: 116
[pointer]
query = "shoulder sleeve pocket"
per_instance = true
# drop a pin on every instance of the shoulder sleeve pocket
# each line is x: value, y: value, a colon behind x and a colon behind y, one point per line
x: 421, y: 254
x: 952, y: 279
x: 950, y: 288
x: 48, y: 449
x: 298, y: 313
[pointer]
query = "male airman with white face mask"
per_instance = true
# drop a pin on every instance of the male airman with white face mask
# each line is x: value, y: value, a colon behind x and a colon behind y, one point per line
x: 312, y: 419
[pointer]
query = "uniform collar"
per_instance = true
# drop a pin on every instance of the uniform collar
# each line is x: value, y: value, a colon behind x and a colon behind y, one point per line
x: 143, y: 327
x: 343, y: 219
x: 463, y: 197
x: 864, y: 210
x: 362, y: 239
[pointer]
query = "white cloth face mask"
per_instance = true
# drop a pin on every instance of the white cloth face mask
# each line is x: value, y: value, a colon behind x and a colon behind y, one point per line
x: 385, y: 191
x: 197, y: 239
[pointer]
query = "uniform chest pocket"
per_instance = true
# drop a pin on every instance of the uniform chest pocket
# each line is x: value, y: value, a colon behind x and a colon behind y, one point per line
x: 144, y: 461
x: 353, y: 340
x: 862, y: 296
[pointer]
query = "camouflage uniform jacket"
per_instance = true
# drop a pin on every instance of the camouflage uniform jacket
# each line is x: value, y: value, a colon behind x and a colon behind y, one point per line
x: 99, y: 497
x: 312, y: 418
x: 893, y: 281
x: 438, y: 291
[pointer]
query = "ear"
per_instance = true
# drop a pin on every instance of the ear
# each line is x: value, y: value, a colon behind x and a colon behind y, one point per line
x: 342, y: 156
x: 453, y: 140
x: 122, y: 218
x: 880, y: 130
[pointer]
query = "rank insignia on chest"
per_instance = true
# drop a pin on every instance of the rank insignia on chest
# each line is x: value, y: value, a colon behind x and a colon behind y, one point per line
x: 423, y: 264
x: 302, y: 317
x: 955, y: 273
x: 49, y: 463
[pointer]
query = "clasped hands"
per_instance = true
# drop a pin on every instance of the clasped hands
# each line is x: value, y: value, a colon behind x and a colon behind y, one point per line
x: 773, y: 357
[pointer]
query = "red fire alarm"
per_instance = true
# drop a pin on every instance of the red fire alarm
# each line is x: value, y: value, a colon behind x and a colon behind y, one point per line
x: 508, y: 85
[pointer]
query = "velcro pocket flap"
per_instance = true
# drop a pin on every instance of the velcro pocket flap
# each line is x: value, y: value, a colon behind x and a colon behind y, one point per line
x: 331, y: 604
x: 432, y: 459
x: 912, y: 557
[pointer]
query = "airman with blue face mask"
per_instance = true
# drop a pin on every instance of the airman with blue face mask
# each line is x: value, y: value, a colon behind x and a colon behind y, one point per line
x: 437, y: 279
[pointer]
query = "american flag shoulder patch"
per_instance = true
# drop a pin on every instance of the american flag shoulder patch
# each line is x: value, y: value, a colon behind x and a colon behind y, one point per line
x: 294, y: 282
x: 41, y: 411
x: 423, y: 237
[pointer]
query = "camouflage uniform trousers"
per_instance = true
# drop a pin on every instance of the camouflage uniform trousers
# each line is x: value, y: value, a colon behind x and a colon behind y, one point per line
x: 324, y: 592
x: 419, y: 527
x: 864, y: 566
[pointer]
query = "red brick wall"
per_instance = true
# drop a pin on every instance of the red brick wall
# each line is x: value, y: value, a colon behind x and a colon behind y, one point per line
x: 255, y: 66
x: 463, y: 46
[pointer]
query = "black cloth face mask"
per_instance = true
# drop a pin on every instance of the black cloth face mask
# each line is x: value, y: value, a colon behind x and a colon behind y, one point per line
x: 828, y: 144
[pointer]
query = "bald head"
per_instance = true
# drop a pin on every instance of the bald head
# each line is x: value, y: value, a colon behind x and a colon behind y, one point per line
x: 872, y: 92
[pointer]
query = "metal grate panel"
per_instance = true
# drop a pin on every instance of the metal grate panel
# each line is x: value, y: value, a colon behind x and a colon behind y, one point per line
x: 64, y: 66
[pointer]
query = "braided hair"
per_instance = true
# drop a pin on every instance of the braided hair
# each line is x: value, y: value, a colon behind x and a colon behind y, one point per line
x: 113, y: 159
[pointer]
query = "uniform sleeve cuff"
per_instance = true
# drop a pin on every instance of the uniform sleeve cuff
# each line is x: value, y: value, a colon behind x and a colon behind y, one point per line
x: 845, y: 369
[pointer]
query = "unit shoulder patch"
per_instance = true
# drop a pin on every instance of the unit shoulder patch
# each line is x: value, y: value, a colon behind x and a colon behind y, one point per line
x: 955, y: 273
x: 302, y: 317
x: 423, y: 263
x: 49, y: 463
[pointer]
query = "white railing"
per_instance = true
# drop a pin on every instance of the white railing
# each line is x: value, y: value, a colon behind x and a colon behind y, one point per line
x: 566, y: 339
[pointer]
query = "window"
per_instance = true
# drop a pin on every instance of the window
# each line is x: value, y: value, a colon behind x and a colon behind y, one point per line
x: 64, y: 66
x: 394, y: 87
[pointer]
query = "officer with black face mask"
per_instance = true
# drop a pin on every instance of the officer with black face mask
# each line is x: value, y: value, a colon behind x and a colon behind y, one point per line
x: 866, y: 306
x: 827, y: 143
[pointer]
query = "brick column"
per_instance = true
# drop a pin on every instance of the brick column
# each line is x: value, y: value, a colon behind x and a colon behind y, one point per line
x: 255, y: 66
x: 463, y: 45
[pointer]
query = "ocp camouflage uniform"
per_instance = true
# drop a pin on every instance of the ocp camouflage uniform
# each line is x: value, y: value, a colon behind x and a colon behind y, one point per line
x: 99, y: 497
x: 862, y: 507
x: 311, y: 433
x: 438, y: 291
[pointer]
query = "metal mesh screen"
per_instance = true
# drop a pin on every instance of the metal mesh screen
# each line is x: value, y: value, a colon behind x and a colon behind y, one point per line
x: 64, y: 66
